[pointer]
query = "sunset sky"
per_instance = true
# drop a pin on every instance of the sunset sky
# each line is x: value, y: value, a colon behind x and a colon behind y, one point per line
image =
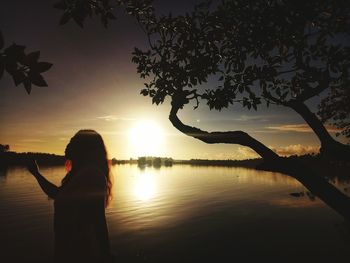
x: 93, y: 84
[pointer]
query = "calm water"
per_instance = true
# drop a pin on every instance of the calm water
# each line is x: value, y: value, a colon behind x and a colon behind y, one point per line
x: 183, y: 214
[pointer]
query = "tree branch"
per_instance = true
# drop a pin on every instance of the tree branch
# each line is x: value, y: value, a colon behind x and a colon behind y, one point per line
x: 229, y: 137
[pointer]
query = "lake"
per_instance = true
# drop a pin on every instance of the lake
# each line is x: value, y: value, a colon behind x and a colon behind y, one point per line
x: 184, y: 214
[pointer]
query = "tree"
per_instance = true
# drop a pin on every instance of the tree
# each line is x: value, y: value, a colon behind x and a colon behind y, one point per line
x: 335, y: 108
x: 279, y: 52
x: 4, y: 148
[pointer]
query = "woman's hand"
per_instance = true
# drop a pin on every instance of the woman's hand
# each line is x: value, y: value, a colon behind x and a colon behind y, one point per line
x: 49, y: 188
x: 32, y: 167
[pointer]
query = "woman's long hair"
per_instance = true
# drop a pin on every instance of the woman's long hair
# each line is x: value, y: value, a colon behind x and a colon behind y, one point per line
x: 86, y: 148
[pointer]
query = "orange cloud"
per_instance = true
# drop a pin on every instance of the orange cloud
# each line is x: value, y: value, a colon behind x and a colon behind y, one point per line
x: 296, y: 149
x: 246, y: 153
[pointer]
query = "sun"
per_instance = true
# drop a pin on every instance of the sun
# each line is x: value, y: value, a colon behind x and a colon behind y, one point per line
x: 146, y: 138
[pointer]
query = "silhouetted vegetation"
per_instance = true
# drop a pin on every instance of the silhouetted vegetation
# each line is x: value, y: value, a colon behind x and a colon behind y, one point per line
x: 24, y: 68
x: 4, y: 148
x: 154, y: 161
x: 21, y: 159
x: 249, y: 163
x: 114, y: 161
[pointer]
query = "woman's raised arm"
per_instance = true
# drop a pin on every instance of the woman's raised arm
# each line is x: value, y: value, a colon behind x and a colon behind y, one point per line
x: 49, y: 188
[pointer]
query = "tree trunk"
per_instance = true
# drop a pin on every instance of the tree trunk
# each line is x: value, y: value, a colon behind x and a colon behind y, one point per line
x: 329, y: 147
x: 314, y: 183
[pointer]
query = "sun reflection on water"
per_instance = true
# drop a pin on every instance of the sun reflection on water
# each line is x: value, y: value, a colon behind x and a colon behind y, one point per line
x: 145, y: 186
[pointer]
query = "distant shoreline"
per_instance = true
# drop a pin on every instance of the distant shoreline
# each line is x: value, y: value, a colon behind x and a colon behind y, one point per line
x: 8, y: 159
x: 321, y: 167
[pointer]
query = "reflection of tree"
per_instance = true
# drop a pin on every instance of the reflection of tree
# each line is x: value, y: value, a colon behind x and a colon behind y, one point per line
x: 3, y: 159
x: 3, y: 171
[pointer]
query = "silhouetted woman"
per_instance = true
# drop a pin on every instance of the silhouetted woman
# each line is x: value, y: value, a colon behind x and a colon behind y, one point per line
x: 81, y: 233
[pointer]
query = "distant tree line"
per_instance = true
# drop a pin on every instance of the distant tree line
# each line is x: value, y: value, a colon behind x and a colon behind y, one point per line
x: 4, y: 148
x: 249, y: 163
x: 8, y: 158
x: 154, y: 161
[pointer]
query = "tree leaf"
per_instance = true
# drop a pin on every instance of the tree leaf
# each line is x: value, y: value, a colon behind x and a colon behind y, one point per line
x: 32, y: 58
x: 18, y: 77
x: 37, y: 80
x: 11, y: 67
x: 42, y: 67
x: 27, y: 85
x: 14, y: 52
x: 144, y: 92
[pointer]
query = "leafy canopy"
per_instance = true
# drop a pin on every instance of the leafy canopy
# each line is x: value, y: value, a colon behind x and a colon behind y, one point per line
x: 279, y: 51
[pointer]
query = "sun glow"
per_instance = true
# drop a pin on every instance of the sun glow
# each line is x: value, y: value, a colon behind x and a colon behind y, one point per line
x: 146, y: 138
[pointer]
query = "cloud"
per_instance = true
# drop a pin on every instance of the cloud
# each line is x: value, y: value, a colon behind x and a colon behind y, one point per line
x: 241, y: 154
x: 246, y: 153
x: 241, y: 118
x: 300, y: 128
x: 114, y: 118
x: 244, y: 118
x: 31, y: 140
x: 296, y: 149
